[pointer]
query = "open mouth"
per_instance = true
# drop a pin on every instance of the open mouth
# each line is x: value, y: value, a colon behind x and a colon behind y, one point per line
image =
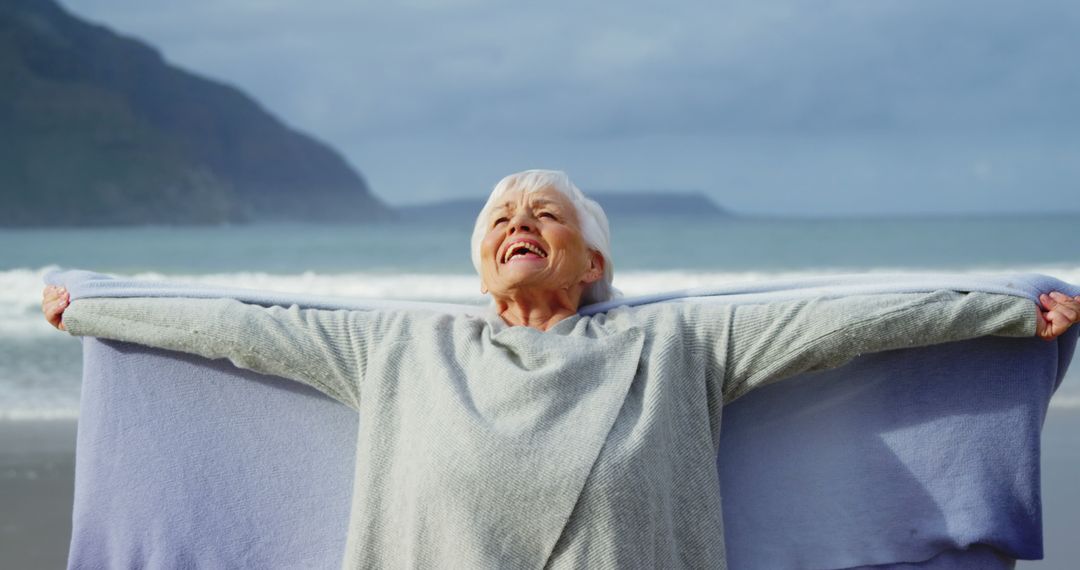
x: 523, y: 249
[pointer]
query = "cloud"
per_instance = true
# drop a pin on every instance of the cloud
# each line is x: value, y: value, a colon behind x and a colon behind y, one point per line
x: 636, y: 67
x: 464, y: 85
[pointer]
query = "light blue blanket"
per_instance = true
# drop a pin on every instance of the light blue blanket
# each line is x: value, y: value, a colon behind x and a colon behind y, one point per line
x: 904, y: 456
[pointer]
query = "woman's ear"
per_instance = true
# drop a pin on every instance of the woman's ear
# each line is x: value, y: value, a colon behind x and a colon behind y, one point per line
x: 595, y: 272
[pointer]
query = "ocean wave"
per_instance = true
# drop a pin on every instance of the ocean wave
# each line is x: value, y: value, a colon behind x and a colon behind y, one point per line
x: 20, y: 289
x: 43, y: 414
x: 1065, y: 402
x: 20, y: 313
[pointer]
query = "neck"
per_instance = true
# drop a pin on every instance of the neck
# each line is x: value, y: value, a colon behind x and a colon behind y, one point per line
x: 538, y: 309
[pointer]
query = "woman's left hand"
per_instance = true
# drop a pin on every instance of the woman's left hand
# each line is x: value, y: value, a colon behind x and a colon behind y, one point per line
x: 1057, y: 313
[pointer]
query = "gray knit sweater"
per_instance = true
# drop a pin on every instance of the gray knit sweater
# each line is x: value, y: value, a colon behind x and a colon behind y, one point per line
x: 591, y: 445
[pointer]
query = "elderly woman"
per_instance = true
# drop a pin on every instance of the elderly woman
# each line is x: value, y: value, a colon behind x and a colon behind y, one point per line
x: 533, y: 436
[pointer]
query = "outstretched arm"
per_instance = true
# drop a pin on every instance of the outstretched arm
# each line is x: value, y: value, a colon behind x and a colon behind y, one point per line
x: 327, y: 350
x: 768, y: 342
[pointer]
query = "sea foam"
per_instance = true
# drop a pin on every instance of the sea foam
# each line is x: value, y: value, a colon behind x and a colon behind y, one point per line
x: 30, y: 393
x: 20, y: 289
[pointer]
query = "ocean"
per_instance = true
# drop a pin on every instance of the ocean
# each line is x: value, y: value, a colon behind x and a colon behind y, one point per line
x: 40, y: 367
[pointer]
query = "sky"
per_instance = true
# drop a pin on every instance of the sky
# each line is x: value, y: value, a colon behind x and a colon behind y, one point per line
x: 787, y: 108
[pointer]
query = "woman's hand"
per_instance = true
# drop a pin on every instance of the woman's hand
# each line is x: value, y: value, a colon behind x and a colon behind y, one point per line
x: 53, y: 302
x: 1057, y: 313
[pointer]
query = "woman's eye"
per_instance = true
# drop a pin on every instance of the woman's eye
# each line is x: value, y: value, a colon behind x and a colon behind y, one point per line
x: 501, y: 221
x: 548, y: 214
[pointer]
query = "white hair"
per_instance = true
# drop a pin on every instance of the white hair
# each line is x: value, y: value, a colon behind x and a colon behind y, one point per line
x: 594, y: 223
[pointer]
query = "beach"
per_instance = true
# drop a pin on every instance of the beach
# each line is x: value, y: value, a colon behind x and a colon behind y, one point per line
x: 37, y: 474
x: 37, y: 470
x: 40, y: 368
x: 1060, y: 491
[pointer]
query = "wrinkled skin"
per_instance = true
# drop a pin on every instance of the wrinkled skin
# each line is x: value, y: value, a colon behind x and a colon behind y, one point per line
x: 537, y: 290
x: 1057, y: 313
x: 53, y: 302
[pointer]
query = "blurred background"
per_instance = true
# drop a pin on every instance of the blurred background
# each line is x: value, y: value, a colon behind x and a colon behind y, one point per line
x: 344, y: 148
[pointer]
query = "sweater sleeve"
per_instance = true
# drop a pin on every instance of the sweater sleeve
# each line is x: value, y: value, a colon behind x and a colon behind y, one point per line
x: 327, y: 350
x: 754, y: 345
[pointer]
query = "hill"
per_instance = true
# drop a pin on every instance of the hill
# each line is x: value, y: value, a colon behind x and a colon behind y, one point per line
x: 617, y: 205
x: 97, y: 129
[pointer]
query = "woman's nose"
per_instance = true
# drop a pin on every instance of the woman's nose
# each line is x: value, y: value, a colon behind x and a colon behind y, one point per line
x: 521, y: 222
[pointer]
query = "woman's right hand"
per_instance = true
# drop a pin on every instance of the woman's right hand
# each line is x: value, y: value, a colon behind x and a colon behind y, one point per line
x: 53, y: 302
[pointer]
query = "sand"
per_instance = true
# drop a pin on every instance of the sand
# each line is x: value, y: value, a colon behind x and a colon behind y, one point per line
x: 37, y: 473
x: 1060, y: 492
x: 37, y: 469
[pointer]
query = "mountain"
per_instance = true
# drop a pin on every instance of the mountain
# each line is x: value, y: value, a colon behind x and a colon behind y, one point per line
x: 617, y: 205
x: 97, y: 129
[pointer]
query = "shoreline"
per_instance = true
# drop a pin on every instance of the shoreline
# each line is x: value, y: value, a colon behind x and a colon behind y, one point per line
x: 37, y: 474
x: 37, y: 478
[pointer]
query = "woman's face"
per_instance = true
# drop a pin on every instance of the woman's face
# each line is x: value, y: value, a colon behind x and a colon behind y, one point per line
x: 534, y: 241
